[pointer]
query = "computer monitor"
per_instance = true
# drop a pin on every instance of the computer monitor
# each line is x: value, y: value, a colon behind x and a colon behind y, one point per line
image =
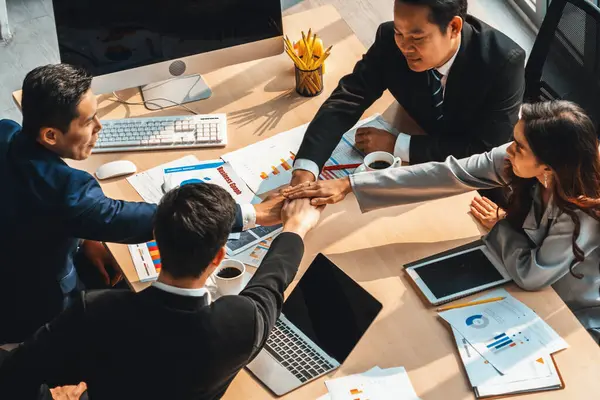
x: 128, y: 43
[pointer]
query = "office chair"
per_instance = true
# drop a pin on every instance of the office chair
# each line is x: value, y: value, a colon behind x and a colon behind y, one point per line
x: 565, y: 59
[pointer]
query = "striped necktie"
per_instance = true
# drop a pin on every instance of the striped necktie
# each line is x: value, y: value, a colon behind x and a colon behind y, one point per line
x: 437, y: 93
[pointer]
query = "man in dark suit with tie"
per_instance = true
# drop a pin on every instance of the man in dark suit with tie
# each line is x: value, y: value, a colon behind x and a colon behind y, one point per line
x: 459, y: 79
x: 49, y: 210
x: 170, y: 341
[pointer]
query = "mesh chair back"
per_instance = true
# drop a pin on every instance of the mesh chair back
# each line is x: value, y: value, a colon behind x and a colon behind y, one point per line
x: 565, y: 59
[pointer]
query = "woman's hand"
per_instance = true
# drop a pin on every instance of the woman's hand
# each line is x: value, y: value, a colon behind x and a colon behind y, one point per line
x: 486, y: 211
x: 321, y: 192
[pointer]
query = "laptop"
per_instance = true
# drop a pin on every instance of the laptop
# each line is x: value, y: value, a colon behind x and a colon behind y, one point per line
x: 321, y: 322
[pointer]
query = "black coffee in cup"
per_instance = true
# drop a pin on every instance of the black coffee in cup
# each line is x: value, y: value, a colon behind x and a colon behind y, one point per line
x: 379, y: 164
x: 229, y: 272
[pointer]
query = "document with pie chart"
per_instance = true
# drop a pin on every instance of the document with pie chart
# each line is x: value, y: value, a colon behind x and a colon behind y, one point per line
x: 499, y: 332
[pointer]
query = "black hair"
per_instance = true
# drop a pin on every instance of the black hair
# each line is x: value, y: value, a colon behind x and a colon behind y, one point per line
x: 51, y: 94
x: 191, y: 224
x: 441, y: 11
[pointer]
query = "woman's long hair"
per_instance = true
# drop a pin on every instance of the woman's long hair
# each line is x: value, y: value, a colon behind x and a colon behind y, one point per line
x: 563, y: 137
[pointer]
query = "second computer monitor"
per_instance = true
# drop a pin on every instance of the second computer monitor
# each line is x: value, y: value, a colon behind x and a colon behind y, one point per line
x: 128, y: 43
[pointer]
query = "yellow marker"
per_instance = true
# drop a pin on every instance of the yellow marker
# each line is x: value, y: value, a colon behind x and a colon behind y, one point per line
x: 472, y: 303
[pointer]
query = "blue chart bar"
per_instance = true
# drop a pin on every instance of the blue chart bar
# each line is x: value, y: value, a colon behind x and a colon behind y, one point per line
x: 500, y: 341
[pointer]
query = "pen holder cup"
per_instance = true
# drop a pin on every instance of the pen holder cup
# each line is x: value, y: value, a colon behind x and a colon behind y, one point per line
x: 309, y: 83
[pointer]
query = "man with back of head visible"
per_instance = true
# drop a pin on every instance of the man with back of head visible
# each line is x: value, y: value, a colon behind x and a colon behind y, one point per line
x: 47, y: 207
x: 116, y: 341
x: 460, y: 80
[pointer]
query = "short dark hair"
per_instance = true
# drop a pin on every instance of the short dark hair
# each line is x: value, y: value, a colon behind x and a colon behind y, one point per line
x: 441, y: 11
x: 191, y: 224
x: 51, y: 94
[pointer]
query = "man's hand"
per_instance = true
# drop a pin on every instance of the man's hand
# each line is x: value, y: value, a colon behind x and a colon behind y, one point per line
x: 300, y: 176
x: 100, y: 257
x: 321, y: 192
x: 370, y: 139
x: 486, y: 211
x: 300, y: 217
x: 68, y: 392
x: 269, y: 211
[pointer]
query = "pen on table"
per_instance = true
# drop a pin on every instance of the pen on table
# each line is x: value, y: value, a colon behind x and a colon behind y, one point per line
x: 472, y: 303
x: 341, y: 166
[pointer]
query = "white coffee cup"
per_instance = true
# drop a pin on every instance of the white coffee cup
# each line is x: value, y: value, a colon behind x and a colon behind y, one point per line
x: 230, y: 286
x: 381, y: 156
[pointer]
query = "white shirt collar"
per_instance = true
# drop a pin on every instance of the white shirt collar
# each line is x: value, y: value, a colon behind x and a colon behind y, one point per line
x: 445, y: 69
x: 201, y: 292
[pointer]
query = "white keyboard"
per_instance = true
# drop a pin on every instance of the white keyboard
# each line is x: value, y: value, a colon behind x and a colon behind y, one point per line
x: 155, y: 133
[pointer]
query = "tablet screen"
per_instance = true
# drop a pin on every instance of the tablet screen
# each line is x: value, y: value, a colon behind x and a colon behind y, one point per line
x: 458, y: 273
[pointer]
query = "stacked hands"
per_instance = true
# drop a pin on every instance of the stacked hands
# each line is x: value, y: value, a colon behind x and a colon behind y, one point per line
x: 333, y: 191
x: 298, y: 215
x: 319, y: 192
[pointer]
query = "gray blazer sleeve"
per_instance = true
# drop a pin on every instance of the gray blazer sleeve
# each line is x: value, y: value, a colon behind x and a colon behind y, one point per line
x: 433, y: 180
x: 536, y: 266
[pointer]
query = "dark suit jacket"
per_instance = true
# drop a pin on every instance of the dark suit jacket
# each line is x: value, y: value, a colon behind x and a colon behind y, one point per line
x: 46, y: 207
x: 484, y: 90
x: 154, y: 344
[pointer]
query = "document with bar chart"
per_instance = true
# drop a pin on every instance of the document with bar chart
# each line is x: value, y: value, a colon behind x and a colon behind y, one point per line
x: 537, y: 375
x: 499, y: 332
x: 267, y: 165
x: 253, y: 256
x: 146, y: 260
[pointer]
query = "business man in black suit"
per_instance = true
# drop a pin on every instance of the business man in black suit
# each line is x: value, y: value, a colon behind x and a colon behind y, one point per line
x: 171, y: 341
x: 459, y: 79
x: 47, y: 208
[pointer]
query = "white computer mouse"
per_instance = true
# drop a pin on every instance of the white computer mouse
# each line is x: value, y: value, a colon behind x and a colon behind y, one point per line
x: 115, y: 168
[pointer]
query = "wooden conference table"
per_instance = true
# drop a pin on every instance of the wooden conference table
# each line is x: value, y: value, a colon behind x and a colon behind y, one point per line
x: 371, y: 248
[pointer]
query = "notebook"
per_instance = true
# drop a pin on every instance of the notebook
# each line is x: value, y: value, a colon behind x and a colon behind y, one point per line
x: 457, y: 273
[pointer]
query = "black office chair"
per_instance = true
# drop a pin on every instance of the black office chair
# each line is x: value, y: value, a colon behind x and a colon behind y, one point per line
x: 565, y: 59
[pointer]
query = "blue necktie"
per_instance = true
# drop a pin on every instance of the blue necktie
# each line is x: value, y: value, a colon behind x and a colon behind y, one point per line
x: 437, y: 93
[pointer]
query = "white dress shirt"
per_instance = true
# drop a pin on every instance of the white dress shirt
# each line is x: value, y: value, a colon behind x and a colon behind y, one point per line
x: 402, y: 146
x: 200, y: 292
x: 248, y: 216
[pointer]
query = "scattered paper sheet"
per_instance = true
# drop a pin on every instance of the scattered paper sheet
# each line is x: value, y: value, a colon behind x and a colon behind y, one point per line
x: 506, y: 333
x: 216, y: 172
x: 250, y: 238
x: 273, y: 168
x: 254, y: 255
x: 481, y: 372
x: 544, y: 332
x: 375, y: 384
x: 146, y: 260
x: 149, y: 183
x: 540, y: 374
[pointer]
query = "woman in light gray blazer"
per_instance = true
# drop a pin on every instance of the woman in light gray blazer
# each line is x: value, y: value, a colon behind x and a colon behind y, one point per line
x: 550, y: 234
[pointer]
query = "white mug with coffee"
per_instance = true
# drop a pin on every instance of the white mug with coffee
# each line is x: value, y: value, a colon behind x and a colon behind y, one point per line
x: 379, y: 160
x: 229, y: 277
